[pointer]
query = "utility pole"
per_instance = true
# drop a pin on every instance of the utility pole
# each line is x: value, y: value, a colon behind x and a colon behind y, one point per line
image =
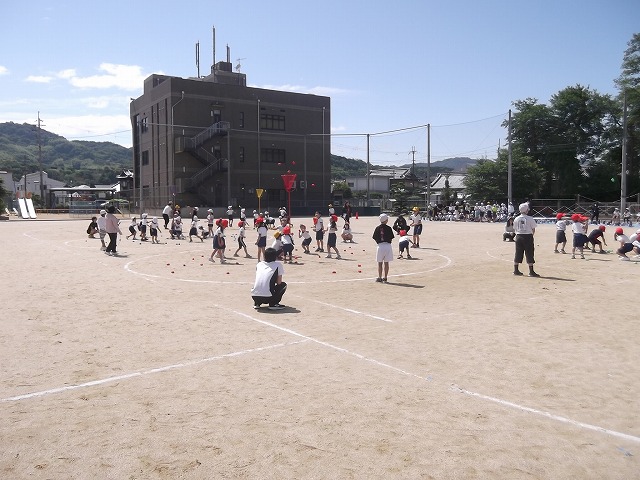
x: 42, y: 197
x: 623, y: 173
x: 509, y: 165
x: 413, y: 167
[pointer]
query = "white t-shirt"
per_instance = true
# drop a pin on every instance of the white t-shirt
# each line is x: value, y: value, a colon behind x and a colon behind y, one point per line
x: 319, y: 225
x: 578, y: 227
x: 304, y: 234
x: 404, y: 239
x: 286, y: 239
x: 262, y: 231
x: 167, y: 210
x: 561, y: 225
x: 102, y: 223
x: 415, y: 218
x: 524, y: 225
x: 266, y: 276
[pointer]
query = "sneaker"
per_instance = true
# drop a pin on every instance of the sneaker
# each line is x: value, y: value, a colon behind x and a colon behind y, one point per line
x: 518, y: 273
x: 573, y: 257
x: 384, y: 280
x: 236, y: 255
x: 256, y: 307
x: 277, y: 306
x: 328, y: 256
x: 533, y: 274
x: 409, y: 256
x: 625, y: 259
x: 556, y: 251
x: 399, y: 257
x: 379, y: 280
x: 338, y: 257
x: 582, y: 257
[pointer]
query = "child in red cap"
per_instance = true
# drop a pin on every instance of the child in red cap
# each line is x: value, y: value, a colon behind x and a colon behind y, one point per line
x: 561, y: 236
x: 403, y: 243
x: 579, y: 228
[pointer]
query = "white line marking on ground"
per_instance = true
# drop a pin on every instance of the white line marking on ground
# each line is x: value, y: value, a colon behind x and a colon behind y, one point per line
x: 350, y: 310
x: 552, y: 416
x: 467, y: 392
x: 145, y: 372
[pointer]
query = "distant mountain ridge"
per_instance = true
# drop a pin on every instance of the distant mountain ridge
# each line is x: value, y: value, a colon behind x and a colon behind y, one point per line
x: 78, y: 162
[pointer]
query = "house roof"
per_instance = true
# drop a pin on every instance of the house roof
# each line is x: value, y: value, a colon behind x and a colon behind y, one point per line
x: 456, y: 181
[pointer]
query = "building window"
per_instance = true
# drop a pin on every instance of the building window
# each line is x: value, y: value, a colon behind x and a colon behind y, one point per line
x: 350, y: 184
x: 145, y: 157
x: 144, y: 126
x: 272, y: 122
x: 272, y: 155
x: 241, y: 125
x: 241, y: 155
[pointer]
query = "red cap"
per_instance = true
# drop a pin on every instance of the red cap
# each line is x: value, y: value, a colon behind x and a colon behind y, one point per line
x: 559, y: 215
x: 619, y: 230
x: 286, y: 230
x: 259, y: 220
x: 602, y: 227
x: 403, y: 233
x: 334, y: 218
x: 576, y: 217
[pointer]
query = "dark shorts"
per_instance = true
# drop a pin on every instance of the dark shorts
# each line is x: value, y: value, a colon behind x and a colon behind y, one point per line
x: 287, y: 248
x: 132, y: 229
x: 561, y: 237
x: 306, y: 242
x: 262, y: 242
x: 319, y: 234
x: 579, y: 240
x: 153, y: 232
x: 417, y: 229
x: 143, y: 228
x: 331, y: 240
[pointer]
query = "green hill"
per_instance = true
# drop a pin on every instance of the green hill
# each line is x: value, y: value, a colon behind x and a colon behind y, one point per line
x: 73, y: 162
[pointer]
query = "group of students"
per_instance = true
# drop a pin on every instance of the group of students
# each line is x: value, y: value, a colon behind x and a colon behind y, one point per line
x: 581, y: 239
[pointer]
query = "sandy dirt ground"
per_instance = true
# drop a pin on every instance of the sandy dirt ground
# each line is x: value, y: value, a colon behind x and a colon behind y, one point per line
x: 154, y: 365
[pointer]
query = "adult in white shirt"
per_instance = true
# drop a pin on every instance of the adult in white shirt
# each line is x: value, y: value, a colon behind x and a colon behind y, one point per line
x: 525, y: 227
x: 268, y: 286
x: 166, y: 212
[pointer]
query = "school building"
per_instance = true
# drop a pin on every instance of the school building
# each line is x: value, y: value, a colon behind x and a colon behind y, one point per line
x: 213, y: 141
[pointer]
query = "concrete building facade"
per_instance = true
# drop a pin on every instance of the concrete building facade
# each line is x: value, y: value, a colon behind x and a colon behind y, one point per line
x: 213, y: 142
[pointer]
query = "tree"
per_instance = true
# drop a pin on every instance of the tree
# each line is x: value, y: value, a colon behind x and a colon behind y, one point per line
x: 629, y: 84
x: 564, y: 138
x: 3, y: 194
x: 399, y: 194
x: 488, y: 180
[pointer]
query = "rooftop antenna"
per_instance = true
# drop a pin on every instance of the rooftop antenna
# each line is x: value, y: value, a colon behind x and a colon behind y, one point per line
x: 198, y: 57
x: 238, y: 65
x: 214, y: 45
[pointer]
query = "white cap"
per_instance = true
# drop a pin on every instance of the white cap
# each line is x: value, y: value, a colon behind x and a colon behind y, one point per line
x: 383, y: 218
x: 524, y: 207
x: 144, y: 215
x: 103, y: 212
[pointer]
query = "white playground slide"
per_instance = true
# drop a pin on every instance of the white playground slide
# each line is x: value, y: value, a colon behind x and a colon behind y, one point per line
x: 22, y: 205
x: 30, y: 208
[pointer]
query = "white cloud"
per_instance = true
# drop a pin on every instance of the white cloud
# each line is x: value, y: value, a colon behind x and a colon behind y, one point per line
x: 3, y: 70
x: 67, y: 74
x: 39, y: 79
x: 125, y: 77
x: 95, y: 128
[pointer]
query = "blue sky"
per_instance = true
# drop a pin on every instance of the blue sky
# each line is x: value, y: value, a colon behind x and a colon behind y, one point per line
x: 457, y: 65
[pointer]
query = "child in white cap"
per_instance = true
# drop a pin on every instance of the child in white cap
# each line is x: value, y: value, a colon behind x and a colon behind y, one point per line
x: 230, y: 215
x: 102, y: 228
x: 383, y: 234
